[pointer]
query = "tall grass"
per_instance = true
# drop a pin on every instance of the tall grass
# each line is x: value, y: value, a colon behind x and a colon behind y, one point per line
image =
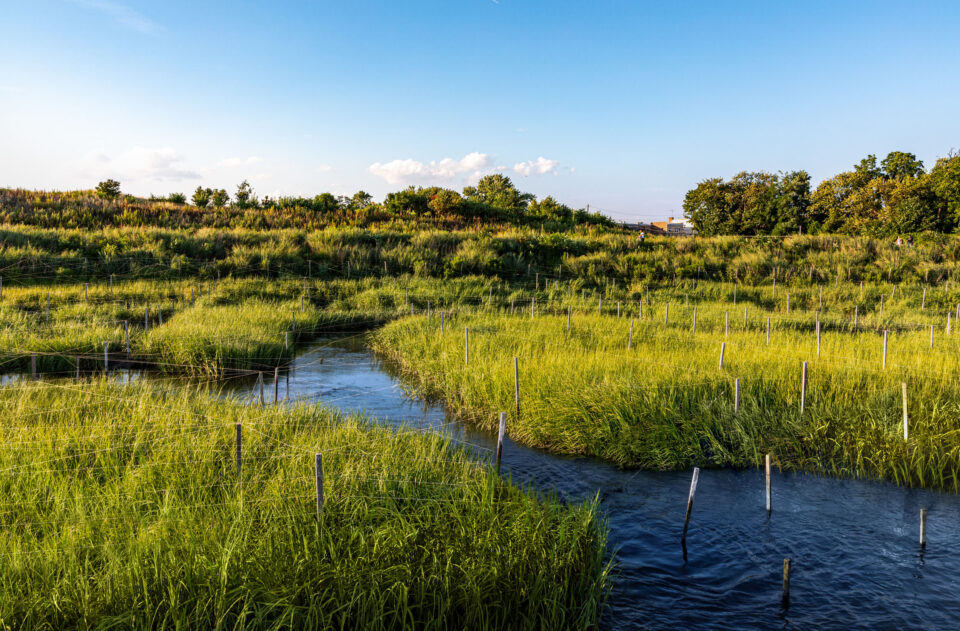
x: 665, y: 403
x: 122, y: 508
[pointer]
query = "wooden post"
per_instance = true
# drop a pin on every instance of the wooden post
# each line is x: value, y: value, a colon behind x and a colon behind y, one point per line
x: 466, y: 345
x: 923, y: 301
x: 788, y: 302
x: 126, y: 335
x: 618, y: 308
x: 768, y: 331
x: 785, y: 597
x: 666, y: 315
x: 803, y: 386
x: 77, y: 360
x: 856, y: 315
x: 146, y: 319
x: 238, y: 452
x: 734, y: 292
x: 694, y: 319
x: 903, y: 386
x: 744, y: 318
x: 693, y: 490
x: 723, y: 347
x: 516, y: 384
x: 301, y: 304
x: 768, y: 480
x: 923, y: 527
x: 503, y: 428
x: 736, y: 395
x: 286, y: 340
x: 630, y: 336
x: 276, y: 385
x: 818, y: 336
x: 106, y: 357
x: 318, y: 466
x: 533, y: 307
x: 931, y: 336
x: 948, y: 324
x: 861, y: 290
x: 884, y: 350
x: 260, y: 379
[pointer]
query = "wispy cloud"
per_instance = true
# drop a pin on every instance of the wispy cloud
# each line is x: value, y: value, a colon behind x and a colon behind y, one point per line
x: 139, y: 163
x: 122, y: 14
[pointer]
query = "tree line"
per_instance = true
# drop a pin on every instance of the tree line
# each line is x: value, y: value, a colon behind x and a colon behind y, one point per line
x: 898, y: 195
x: 494, y: 198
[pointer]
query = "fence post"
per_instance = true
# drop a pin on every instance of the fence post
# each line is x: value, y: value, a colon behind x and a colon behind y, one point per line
x: 818, y: 335
x: 503, y: 428
x: 106, y: 358
x: 630, y: 336
x: 923, y: 527
x: 736, y: 395
x: 785, y: 595
x: 768, y: 330
x: 276, y: 385
x: 666, y: 315
x: 126, y: 335
x: 694, y: 318
x: 33, y: 365
x: 723, y: 347
x: 923, y: 301
x: 931, y: 336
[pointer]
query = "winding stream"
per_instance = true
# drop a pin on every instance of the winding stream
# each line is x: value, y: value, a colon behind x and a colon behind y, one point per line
x: 856, y: 561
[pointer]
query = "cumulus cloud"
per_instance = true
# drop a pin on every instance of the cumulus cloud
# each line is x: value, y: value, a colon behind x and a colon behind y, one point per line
x: 409, y: 171
x: 540, y: 166
x: 139, y: 163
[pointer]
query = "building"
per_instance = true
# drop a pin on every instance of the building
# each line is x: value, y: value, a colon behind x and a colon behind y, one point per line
x: 649, y: 228
x: 676, y: 227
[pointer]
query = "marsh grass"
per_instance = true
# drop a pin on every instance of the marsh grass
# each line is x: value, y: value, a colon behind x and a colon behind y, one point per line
x: 121, y: 507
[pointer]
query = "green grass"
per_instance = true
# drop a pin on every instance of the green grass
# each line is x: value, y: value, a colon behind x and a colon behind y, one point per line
x: 666, y: 404
x: 121, y: 508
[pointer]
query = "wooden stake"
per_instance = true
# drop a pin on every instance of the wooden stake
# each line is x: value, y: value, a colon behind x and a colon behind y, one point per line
x: 126, y: 335
x: 736, y: 395
x: 533, y: 307
x: 666, y: 315
x: 238, y: 452
x: 803, y: 386
x: 768, y: 331
x: 693, y: 490
x: 785, y: 597
x: 106, y: 357
x: 260, y: 379
x: 723, y: 347
x: 904, y: 388
x: 318, y: 466
x: 769, y: 497
x: 276, y: 385
x: 694, y: 319
x: 923, y: 527
x: 856, y: 315
x: 923, y: 301
x: 516, y: 384
x: 630, y: 336
x: 931, y: 336
x: 503, y: 429
x: 884, y: 366
x: 818, y: 336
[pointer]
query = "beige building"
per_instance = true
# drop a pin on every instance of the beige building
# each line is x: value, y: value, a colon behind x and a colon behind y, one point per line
x: 676, y: 227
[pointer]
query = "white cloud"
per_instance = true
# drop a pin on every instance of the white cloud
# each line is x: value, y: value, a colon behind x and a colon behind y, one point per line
x: 229, y: 163
x: 410, y: 171
x: 540, y: 166
x: 122, y: 14
x: 139, y: 163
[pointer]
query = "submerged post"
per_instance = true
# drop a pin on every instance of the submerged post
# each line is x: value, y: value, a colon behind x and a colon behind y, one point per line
x: 923, y: 527
x: 785, y: 595
x: 693, y: 490
x: 767, y: 469
x: 276, y: 385
x: 502, y: 430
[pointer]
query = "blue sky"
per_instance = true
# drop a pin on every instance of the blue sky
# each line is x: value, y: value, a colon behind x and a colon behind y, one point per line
x: 620, y: 105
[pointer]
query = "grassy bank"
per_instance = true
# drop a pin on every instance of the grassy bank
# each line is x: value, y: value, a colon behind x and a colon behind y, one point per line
x: 122, y: 507
x: 665, y: 402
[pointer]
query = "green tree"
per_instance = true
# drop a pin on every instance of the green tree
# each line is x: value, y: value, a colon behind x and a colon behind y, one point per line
x: 108, y: 189
x: 898, y: 165
x: 361, y: 199
x: 498, y: 191
x: 445, y: 201
x: 201, y: 197
x: 944, y: 180
x: 177, y: 198
x: 219, y: 198
x: 245, y: 197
